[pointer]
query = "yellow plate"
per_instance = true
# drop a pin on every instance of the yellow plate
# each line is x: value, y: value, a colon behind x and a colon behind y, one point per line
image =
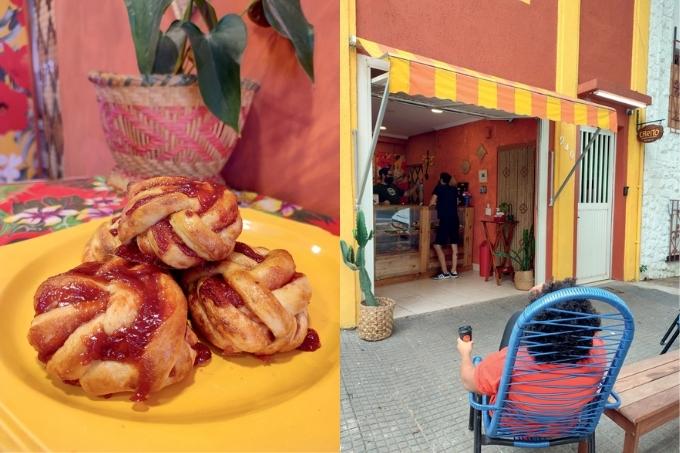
x: 291, y: 404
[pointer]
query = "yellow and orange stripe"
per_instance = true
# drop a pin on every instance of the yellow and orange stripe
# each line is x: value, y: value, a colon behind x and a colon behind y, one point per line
x: 415, y: 75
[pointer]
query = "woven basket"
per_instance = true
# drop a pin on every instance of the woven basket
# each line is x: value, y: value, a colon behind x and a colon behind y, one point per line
x: 375, y: 323
x: 158, y: 125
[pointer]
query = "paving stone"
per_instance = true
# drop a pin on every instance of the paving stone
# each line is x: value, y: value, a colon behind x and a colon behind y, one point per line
x: 403, y: 394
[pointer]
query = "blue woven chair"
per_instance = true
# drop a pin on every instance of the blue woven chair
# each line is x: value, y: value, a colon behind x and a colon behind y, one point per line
x: 558, y: 402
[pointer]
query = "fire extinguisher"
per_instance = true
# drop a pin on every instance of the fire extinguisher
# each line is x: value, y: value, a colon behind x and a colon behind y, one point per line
x: 484, y: 259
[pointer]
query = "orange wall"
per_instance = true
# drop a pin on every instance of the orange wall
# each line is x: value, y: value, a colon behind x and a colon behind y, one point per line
x: 505, y: 38
x: 451, y: 146
x: 606, y: 41
x: 289, y: 147
x: 90, y: 36
x: 390, y: 145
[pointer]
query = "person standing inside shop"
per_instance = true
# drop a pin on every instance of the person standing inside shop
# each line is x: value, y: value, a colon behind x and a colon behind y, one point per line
x: 387, y: 191
x: 445, y: 198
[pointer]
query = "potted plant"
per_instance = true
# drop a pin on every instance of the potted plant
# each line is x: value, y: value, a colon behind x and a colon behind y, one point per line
x: 183, y: 113
x: 523, y: 258
x: 376, y: 314
x: 506, y: 209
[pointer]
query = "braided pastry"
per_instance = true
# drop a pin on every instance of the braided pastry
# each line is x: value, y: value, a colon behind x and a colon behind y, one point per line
x: 103, y: 244
x: 113, y: 327
x: 253, y: 301
x: 181, y: 221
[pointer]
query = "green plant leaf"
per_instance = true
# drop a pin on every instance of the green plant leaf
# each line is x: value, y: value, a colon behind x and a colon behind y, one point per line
x: 348, y: 255
x: 145, y: 20
x: 207, y: 12
x: 218, y: 58
x: 170, y: 49
x: 287, y: 18
x: 366, y: 288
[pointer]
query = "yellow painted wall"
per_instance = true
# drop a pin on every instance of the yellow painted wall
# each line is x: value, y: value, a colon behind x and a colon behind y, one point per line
x: 565, y: 146
x: 348, y: 279
x: 636, y: 150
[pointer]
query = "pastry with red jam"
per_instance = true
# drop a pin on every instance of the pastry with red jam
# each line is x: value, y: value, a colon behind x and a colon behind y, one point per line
x: 114, y: 327
x: 103, y: 244
x: 179, y: 221
x: 254, y: 301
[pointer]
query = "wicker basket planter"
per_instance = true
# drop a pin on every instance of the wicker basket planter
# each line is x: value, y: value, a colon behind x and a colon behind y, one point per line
x: 158, y: 125
x: 375, y: 323
x: 524, y: 280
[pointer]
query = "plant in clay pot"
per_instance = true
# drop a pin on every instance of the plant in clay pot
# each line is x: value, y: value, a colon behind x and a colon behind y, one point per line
x: 523, y: 258
x: 376, y: 314
x: 506, y: 208
x: 183, y: 113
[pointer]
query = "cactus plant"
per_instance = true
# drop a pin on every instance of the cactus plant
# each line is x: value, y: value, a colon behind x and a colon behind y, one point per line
x: 356, y: 259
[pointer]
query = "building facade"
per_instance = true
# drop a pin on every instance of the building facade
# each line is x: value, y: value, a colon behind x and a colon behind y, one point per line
x: 581, y: 50
x: 659, y: 241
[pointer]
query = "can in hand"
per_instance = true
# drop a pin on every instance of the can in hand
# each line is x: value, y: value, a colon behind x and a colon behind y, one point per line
x: 465, y: 333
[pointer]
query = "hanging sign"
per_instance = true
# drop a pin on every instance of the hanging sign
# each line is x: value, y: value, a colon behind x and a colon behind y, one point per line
x: 650, y: 133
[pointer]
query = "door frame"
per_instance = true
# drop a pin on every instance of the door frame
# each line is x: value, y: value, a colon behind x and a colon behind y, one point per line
x: 362, y: 138
x: 542, y: 156
x: 612, y: 186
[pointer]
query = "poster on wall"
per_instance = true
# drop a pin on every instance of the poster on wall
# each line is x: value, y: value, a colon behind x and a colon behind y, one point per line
x: 396, y: 163
x: 17, y: 137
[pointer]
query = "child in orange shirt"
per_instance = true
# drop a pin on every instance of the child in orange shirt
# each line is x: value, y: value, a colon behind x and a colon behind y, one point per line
x: 485, y: 377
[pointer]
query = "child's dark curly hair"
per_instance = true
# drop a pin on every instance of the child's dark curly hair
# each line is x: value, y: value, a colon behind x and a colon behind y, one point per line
x: 565, y: 347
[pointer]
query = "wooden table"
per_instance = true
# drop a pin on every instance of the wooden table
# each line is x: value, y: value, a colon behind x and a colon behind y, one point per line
x: 650, y: 392
x: 500, y: 242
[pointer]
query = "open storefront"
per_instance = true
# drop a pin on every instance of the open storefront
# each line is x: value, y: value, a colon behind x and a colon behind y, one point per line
x: 418, y: 117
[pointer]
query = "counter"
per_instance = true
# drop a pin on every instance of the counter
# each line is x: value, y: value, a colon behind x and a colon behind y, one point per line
x: 403, y: 237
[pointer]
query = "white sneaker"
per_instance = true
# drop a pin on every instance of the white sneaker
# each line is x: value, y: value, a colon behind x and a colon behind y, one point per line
x: 453, y: 274
x: 441, y: 276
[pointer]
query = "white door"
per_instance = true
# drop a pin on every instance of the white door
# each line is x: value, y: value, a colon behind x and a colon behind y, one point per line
x: 594, y: 230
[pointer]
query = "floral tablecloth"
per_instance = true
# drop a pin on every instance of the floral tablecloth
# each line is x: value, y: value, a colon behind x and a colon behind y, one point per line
x: 35, y: 208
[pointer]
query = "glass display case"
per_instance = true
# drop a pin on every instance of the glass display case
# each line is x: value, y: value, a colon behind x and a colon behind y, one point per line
x: 396, y: 229
x: 403, y: 237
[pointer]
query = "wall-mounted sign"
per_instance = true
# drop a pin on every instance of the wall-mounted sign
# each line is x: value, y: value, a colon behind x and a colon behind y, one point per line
x: 650, y: 133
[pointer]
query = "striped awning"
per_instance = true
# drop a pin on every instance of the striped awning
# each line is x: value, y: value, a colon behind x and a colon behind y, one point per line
x: 420, y: 76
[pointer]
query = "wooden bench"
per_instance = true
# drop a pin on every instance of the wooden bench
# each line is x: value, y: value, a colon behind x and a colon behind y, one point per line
x: 650, y: 392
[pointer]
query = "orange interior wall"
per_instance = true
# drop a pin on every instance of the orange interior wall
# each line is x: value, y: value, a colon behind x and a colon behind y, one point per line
x: 289, y: 146
x: 90, y: 36
x: 450, y: 147
x: 391, y: 152
x: 505, y: 38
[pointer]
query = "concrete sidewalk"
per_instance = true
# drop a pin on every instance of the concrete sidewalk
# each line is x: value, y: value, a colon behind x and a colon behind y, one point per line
x: 403, y: 393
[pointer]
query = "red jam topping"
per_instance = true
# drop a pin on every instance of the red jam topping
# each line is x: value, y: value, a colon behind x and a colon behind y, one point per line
x: 142, y: 201
x: 165, y: 236
x: 207, y: 193
x: 131, y: 252
x: 129, y: 343
x: 203, y: 354
x: 311, y: 341
x: 72, y: 293
x: 243, y: 249
x: 113, y: 231
x: 220, y: 292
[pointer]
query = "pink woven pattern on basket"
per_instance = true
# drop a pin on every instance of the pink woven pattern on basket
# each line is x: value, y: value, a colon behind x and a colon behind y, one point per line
x: 167, y: 133
x: 159, y: 125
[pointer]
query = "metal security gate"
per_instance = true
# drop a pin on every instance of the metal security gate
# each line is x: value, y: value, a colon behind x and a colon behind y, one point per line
x: 594, y: 226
